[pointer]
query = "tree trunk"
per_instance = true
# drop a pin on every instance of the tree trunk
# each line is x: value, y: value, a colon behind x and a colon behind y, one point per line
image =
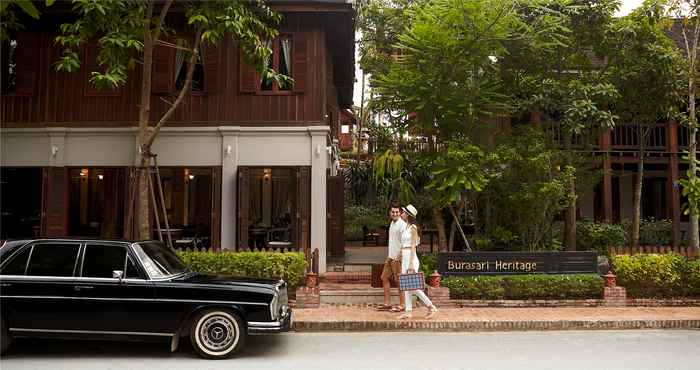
x: 570, y: 223
x: 453, y: 230
x: 637, y: 211
x: 143, y: 215
x: 692, y: 155
x: 440, y: 226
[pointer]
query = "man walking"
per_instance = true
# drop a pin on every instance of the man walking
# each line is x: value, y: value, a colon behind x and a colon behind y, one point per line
x: 392, y: 265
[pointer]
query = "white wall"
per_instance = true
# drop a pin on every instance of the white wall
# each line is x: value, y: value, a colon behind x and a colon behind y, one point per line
x: 226, y: 146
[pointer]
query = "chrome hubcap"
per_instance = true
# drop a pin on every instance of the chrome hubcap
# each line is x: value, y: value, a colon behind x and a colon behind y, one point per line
x: 217, y: 333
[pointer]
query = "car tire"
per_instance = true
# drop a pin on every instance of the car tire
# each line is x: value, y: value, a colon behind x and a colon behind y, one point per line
x: 5, y: 339
x: 217, y: 333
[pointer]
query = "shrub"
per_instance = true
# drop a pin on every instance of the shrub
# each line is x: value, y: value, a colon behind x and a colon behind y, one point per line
x: 560, y: 286
x: 598, y: 236
x: 428, y: 263
x: 358, y: 216
x: 288, y: 266
x: 691, y: 280
x: 476, y: 287
x: 652, y: 231
x: 652, y: 275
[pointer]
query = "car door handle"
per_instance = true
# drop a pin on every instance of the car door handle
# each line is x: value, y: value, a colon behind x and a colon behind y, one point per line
x: 81, y: 287
x: 5, y: 285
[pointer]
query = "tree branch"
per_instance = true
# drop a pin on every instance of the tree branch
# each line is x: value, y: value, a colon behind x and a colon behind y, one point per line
x: 161, y: 19
x: 181, y: 95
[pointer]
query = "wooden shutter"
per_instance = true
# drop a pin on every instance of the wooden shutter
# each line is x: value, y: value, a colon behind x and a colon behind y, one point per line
x: 26, y: 55
x: 300, y: 61
x: 163, y: 75
x: 210, y: 55
x: 55, y: 202
x: 243, y: 206
x: 304, y: 210
x: 248, y: 78
x: 216, y: 208
x: 335, y: 229
x: 91, y: 65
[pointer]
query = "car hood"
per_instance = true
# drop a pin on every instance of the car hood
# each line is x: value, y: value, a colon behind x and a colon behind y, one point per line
x: 226, y: 280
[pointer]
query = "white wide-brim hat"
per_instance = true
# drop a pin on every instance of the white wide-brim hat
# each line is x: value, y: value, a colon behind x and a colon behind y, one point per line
x: 410, y: 210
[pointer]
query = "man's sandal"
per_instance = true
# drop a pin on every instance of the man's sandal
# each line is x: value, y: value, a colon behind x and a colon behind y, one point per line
x: 405, y: 316
x: 384, y: 307
x: 398, y: 308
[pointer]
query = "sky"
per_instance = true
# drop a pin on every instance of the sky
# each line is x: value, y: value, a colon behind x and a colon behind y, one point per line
x: 626, y: 7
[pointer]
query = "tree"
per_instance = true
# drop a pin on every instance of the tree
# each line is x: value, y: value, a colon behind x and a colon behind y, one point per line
x: 446, y: 83
x: 644, y: 65
x: 10, y: 20
x: 528, y: 188
x: 685, y: 15
x: 562, y: 82
x: 127, y: 33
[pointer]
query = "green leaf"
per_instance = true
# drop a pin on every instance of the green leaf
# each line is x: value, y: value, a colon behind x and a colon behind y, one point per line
x: 28, y: 8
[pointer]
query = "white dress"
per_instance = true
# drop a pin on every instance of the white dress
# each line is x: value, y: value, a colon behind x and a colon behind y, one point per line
x: 405, y: 263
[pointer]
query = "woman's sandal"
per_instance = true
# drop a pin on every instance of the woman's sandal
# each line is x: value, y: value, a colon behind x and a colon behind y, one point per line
x: 398, y: 308
x: 432, y: 311
x: 405, y: 316
x: 385, y: 307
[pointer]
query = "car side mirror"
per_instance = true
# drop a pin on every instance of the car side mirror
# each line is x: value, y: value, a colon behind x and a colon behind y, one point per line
x: 118, y: 274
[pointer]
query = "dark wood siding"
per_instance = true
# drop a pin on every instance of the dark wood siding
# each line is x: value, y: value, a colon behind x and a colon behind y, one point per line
x: 63, y: 99
x: 55, y: 202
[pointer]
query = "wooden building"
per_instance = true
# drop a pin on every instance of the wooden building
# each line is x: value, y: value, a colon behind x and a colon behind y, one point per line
x: 244, y: 163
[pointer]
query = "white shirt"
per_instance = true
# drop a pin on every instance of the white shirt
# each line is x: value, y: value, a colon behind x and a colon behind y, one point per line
x: 395, y: 230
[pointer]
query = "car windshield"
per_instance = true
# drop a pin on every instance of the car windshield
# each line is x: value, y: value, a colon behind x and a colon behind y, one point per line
x: 159, y: 260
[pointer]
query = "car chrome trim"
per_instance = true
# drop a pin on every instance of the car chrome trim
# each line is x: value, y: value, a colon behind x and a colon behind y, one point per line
x: 90, y: 332
x: 135, y: 299
x: 70, y: 279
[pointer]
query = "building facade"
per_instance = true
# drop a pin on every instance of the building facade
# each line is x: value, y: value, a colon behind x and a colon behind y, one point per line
x: 243, y: 163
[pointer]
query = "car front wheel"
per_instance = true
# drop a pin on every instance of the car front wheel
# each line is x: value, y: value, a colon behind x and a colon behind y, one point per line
x: 217, y: 334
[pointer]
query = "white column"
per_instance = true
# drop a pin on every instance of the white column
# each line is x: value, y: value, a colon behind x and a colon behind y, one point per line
x: 229, y: 190
x: 319, y: 164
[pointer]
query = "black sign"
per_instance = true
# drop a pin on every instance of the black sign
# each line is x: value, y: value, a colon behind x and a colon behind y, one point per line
x: 508, y: 263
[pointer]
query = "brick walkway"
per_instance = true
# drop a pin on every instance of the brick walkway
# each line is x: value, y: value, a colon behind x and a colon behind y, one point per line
x: 476, y: 319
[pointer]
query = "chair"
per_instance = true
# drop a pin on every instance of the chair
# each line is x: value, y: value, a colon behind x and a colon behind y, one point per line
x: 279, y: 237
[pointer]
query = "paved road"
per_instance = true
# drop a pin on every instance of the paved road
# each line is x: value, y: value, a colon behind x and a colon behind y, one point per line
x: 668, y: 349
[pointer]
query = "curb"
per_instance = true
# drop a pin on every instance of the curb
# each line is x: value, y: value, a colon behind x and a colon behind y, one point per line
x: 476, y: 326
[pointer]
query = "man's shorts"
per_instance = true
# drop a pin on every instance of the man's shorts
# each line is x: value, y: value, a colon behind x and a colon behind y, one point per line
x: 392, y: 269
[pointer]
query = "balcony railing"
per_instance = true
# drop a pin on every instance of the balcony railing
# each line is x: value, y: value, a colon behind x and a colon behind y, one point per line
x: 626, y: 136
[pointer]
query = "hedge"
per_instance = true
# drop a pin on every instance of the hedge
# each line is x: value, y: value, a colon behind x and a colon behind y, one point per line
x: 288, y: 266
x: 657, y: 275
x: 559, y: 286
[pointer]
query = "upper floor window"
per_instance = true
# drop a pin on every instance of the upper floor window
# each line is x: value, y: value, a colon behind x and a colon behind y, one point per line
x: 9, y: 66
x: 19, y: 55
x: 281, y: 61
x: 182, y: 64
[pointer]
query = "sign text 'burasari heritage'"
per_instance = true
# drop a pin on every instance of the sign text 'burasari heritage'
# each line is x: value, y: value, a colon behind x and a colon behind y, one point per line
x: 496, y: 263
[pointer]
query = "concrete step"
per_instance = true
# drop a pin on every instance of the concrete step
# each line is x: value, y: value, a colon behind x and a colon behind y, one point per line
x: 352, y: 277
x: 364, y: 295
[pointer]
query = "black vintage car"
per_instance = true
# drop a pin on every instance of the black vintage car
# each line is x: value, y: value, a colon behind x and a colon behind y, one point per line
x: 122, y: 290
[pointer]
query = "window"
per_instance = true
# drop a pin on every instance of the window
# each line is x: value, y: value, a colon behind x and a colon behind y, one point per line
x: 101, y: 260
x: 158, y: 260
x: 132, y: 272
x: 18, y: 264
x: 181, y: 66
x: 281, y: 61
x: 53, y: 259
x: 9, y: 66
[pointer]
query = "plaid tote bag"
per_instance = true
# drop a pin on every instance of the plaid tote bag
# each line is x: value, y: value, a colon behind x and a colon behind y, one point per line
x: 412, y: 281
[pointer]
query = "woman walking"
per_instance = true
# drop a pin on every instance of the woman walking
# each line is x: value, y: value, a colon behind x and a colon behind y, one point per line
x: 410, y: 263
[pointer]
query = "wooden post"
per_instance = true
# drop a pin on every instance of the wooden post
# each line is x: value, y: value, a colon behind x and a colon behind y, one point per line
x: 605, y: 144
x: 536, y: 118
x: 673, y: 192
